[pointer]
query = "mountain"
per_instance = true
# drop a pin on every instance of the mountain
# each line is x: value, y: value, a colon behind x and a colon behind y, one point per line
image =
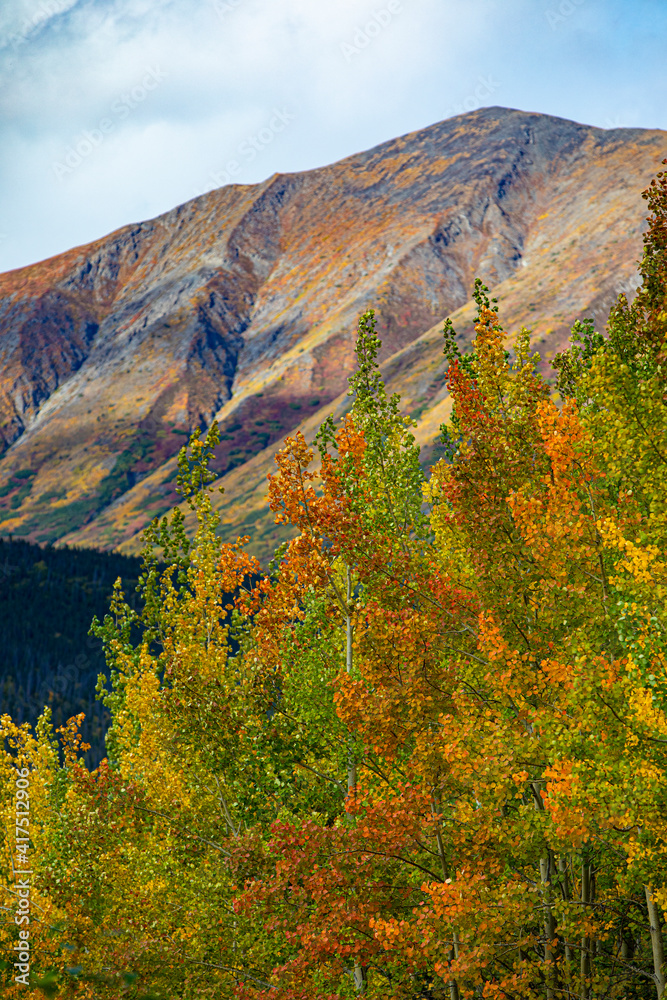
x: 242, y: 305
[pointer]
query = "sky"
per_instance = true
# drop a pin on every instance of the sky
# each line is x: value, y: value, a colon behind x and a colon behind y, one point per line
x: 114, y: 111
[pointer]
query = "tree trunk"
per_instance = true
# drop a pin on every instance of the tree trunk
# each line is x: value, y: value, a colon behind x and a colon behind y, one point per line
x: 546, y: 864
x: 351, y: 763
x: 359, y: 972
x: 585, y: 944
x: 453, y: 985
x: 436, y: 809
x: 549, y: 925
x: 656, y: 942
x: 360, y: 978
x: 565, y: 892
x: 454, y: 953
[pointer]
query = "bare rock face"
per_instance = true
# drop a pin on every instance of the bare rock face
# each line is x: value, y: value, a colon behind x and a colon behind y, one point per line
x: 242, y: 304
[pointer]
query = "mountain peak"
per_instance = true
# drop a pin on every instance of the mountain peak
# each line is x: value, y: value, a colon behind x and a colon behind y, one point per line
x: 241, y: 304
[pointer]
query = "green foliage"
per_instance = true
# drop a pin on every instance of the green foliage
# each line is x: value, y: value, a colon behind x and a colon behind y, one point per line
x: 426, y: 754
x: 392, y: 472
x: 572, y: 364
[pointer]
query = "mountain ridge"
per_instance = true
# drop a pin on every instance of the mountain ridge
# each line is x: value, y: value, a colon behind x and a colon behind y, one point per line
x: 241, y: 304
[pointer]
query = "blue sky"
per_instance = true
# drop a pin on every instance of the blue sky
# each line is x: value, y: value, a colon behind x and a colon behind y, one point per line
x: 112, y: 111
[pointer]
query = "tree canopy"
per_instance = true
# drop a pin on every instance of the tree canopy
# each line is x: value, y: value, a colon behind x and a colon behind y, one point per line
x: 425, y: 755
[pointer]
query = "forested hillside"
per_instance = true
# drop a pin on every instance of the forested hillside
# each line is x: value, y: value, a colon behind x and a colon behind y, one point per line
x: 428, y: 756
x: 48, y: 599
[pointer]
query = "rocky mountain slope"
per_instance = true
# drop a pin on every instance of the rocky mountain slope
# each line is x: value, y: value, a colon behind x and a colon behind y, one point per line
x: 242, y: 304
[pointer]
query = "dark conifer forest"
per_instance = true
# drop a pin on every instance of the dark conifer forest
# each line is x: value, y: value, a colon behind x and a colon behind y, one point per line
x: 48, y: 598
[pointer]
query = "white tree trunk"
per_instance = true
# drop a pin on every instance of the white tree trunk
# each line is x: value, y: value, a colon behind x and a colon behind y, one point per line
x: 656, y: 942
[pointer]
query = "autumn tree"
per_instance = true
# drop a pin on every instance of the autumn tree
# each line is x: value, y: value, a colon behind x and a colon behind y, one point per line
x: 422, y: 755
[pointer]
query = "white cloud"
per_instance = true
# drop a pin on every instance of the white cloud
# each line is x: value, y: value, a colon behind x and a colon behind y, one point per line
x: 223, y: 66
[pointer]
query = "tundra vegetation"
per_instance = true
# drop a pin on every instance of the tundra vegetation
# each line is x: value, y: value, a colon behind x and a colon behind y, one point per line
x: 424, y: 755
